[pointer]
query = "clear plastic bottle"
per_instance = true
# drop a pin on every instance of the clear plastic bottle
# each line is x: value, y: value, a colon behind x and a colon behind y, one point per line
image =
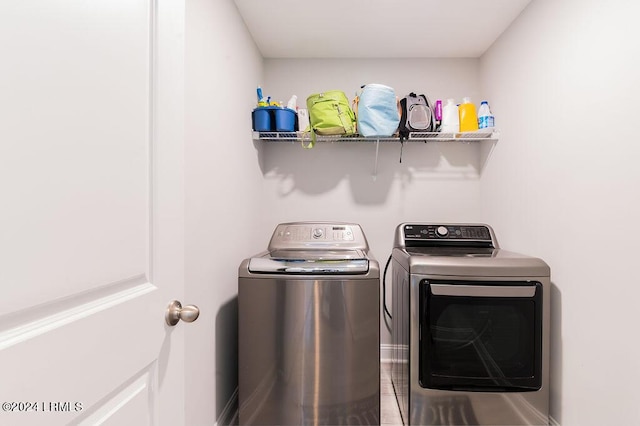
x: 450, y: 118
x: 468, y: 116
x: 486, y: 119
x: 292, y: 104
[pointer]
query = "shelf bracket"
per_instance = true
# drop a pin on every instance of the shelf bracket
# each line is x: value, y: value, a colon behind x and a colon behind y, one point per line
x: 375, y: 165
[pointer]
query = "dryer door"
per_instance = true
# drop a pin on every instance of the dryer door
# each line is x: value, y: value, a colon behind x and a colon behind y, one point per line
x: 481, y: 336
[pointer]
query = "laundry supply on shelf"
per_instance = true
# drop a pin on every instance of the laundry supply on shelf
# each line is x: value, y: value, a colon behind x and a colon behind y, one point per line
x: 450, y: 118
x: 468, y: 116
x: 486, y: 119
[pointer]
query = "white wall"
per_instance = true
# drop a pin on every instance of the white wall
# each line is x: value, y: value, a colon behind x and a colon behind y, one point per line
x: 434, y: 182
x: 562, y: 184
x: 223, y: 186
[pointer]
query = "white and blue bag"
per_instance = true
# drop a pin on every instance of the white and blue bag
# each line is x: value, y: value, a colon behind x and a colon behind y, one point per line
x: 377, y: 111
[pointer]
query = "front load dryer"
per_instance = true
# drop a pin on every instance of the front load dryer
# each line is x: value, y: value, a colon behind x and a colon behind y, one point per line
x: 470, y: 328
x: 309, y: 329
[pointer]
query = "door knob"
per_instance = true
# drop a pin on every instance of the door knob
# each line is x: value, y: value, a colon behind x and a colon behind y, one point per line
x: 175, y: 313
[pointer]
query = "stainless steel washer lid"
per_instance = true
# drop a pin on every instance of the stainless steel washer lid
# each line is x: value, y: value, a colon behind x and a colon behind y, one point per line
x: 308, y: 266
x: 319, y: 254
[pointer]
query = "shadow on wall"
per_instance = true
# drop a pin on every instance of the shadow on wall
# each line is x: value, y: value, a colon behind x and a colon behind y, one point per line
x: 227, y: 363
x: 555, y: 363
x: 370, y: 168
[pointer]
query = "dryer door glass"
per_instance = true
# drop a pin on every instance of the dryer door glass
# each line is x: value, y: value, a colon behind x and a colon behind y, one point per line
x: 480, y: 336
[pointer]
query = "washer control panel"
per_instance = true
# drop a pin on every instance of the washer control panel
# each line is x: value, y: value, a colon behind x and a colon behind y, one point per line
x: 316, y: 232
x: 310, y: 235
x: 435, y: 232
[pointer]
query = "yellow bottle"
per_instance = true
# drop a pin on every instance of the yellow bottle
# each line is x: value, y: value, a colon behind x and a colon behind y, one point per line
x: 468, y: 116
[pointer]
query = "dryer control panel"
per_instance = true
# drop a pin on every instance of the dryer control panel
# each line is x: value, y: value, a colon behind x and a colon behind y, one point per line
x: 421, y: 234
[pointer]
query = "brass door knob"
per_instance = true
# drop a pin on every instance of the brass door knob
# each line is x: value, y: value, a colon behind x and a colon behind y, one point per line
x: 176, y: 312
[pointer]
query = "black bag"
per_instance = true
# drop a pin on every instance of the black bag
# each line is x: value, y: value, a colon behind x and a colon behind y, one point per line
x: 417, y: 115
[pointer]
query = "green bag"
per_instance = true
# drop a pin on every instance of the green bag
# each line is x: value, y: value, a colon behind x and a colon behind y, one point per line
x: 330, y: 114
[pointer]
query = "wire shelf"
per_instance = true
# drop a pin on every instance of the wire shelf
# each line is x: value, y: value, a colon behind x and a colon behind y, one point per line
x: 476, y: 136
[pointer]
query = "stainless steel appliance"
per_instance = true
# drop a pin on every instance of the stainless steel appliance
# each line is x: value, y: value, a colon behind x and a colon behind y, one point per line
x: 309, y: 328
x: 470, y: 328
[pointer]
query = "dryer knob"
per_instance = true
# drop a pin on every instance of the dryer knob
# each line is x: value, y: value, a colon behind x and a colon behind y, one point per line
x: 442, y: 231
x: 318, y: 232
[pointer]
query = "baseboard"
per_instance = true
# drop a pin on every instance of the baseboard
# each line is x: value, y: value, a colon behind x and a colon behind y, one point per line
x: 229, y: 414
x: 386, y: 352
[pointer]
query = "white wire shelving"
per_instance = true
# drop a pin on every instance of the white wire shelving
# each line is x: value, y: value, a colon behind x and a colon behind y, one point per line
x: 477, y: 136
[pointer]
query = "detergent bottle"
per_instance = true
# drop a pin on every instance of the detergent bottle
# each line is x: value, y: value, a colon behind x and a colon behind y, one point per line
x: 485, y: 117
x: 450, y: 118
x: 468, y: 116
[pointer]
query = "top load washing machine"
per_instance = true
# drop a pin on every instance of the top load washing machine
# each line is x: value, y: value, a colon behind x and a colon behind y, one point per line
x: 309, y: 328
x: 470, y: 328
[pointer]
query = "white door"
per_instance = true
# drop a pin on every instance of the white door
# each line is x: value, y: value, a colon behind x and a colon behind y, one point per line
x: 91, y: 211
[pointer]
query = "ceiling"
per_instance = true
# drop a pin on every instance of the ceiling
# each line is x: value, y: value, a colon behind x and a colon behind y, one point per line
x: 377, y: 28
